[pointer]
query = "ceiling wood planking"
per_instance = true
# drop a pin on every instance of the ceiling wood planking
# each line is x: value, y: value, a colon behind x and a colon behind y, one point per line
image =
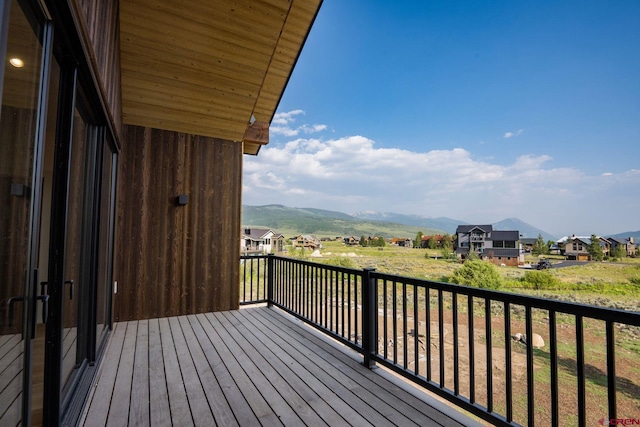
x: 210, y: 109
x: 206, y: 67
x: 207, y: 21
x: 172, y: 75
x: 174, y: 31
x: 149, y: 88
x: 168, y: 121
x: 188, y: 63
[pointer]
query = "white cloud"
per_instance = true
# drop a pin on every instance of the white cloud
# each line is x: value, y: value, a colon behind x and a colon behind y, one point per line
x: 280, y: 125
x: 286, y: 118
x: 351, y: 174
x: 283, y: 130
x: 512, y: 134
x: 313, y: 128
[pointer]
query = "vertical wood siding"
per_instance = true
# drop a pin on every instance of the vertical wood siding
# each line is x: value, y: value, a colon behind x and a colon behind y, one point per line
x: 99, y: 26
x: 173, y: 260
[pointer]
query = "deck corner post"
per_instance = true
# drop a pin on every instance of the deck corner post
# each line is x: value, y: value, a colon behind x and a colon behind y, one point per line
x: 270, y: 278
x: 369, y: 313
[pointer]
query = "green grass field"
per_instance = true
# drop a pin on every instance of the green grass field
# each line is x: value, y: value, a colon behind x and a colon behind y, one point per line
x: 614, y: 285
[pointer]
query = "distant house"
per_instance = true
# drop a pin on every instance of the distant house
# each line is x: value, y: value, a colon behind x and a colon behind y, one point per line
x: 306, y: 241
x: 351, y: 241
x: 627, y: 245
x: 528, y: 243
x: 261, y: 240
x: 498, y: 247
x: 576, y: 248
x: 405, y: 242
x: 438, y: 238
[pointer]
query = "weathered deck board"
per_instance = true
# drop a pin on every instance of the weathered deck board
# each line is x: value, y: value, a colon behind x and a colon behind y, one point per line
x: 245, y: 367
x: 139, y: 406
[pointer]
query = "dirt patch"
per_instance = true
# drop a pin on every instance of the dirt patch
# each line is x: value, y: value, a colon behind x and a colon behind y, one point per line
x: 422, y: 351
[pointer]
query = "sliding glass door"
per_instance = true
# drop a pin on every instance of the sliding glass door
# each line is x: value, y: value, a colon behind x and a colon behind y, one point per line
x: 22, y: 130
x: 57, y: 182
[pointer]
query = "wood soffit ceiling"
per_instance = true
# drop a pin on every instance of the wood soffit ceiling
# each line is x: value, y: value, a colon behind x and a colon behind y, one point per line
x: 206, y: 67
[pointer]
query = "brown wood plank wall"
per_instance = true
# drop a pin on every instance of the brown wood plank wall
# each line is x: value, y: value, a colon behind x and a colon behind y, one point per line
x: 99, y: 26
x: 174, y: 260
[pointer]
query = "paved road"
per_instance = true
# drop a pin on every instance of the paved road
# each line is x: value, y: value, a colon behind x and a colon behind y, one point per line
x: 561, y: 264
x: 568, y: 263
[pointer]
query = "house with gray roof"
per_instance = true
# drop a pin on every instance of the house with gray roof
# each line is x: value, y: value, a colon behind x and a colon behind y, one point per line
x: 498, y: 246
x: 261, y: 241
x: 627, y: 244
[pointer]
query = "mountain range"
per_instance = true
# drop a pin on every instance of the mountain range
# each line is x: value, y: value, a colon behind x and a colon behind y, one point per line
x: 291, y: 221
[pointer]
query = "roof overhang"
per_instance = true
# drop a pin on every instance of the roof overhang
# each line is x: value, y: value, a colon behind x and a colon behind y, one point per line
x: 212, y: 68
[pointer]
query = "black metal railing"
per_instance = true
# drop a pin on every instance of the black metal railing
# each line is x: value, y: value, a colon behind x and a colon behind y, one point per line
x: 253, y: 279
x: 476, y: 348
x: 327, y: 297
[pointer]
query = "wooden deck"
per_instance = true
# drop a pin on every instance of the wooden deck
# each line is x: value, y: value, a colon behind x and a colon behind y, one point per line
x: 248, y: 367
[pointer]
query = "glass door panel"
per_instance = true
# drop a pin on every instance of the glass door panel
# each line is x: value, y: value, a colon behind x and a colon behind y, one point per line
x: 105, y: 242
x: 77, y: 255
x: 20, y: 130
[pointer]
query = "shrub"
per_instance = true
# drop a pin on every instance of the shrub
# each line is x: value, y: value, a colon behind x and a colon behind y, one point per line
x: 342, y: 261
x: 540, y: 280
x: 480, y: 274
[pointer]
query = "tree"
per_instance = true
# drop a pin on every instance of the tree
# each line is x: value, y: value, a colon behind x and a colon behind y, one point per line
x: 472, y: 256
x: 549, y: 244
x: 618, y: 252
x: 377, y: 242
x: 594, y: 249
x: 539, y: 246
x: 417, y: 243
x: 363, y: 241
x: 446, y: 242
x: 432, y: 242
x: 446, y: 245
x: 480, y: 274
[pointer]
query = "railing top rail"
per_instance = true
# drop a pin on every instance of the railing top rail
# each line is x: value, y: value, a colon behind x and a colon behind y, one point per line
x: 347, y: 270
x: 249, y: 256
x: 586, y: 310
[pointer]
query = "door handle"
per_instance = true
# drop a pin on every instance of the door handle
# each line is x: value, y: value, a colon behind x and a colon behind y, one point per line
x: 67, y: 282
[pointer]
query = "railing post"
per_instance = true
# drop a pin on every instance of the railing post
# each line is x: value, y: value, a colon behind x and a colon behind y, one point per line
x: 369, y: 313
x: 270, y: 278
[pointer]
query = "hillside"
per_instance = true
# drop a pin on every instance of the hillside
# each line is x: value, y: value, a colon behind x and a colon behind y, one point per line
x: 323, y: 223
x: 526, y: 230
x: 627, y: 234
x: 448, y: 225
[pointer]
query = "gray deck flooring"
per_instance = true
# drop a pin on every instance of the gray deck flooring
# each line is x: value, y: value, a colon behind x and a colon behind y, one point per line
x: 246, y: 367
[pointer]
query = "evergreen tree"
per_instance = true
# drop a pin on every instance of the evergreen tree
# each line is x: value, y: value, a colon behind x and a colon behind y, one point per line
x: 594, y: 249
x: 417, y: 243
x: 363, y: 241
x: 539, y: 246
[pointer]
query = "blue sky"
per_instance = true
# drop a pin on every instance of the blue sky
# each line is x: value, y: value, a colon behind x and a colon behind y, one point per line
x: 475, y: 110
